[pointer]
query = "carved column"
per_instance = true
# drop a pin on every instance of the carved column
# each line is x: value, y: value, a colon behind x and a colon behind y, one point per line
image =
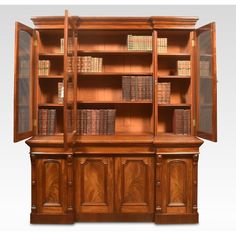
x: 195, y: 179
x: 33, y: 184
x: 70, y: 184
x: 158, y: 183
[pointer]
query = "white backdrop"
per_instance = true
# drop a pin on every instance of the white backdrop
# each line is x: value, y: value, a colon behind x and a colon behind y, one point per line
x: 217, y: 173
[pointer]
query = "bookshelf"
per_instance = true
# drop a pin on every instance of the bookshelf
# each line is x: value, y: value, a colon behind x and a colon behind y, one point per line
x: 113, y: 107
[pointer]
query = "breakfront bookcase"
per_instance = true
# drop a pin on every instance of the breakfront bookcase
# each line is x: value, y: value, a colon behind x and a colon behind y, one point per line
x: 144, y: 171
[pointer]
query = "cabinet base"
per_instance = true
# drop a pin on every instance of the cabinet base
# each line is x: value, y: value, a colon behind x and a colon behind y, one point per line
x: 176, y: 218
x: 127, y: 217
x: 51, y: 219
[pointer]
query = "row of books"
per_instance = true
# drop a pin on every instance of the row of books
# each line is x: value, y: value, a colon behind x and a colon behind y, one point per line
x: 61, y: 92
x: 137, y: 88
x: 46, y: 121
x: 184, y: 67
x: 70, y: 45
x: 96, y: 121
x: 23, y: 119
x: 24, y: 68
x: 181, y: 121
x: 204, y: 68
x: 89, y: 64
x: 162, y: 45
x: 163, y: 93
x: 44, y: 67
x: 137, y: 42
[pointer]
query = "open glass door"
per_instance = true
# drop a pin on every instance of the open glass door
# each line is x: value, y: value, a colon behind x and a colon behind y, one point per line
x: 70, y: 80
x: 23, y: 83
x: 206, y: 83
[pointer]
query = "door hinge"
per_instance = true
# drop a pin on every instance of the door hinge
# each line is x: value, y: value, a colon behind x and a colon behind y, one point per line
x: 193, y: 43
x: 194, y: 122
x: 35, y: 42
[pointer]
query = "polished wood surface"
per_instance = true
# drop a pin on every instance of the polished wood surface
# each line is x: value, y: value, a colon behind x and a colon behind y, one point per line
x: 142, y: 173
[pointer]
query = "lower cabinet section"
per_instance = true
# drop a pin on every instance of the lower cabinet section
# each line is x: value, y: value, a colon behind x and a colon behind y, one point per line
x: 68, y: 188
x: 176, y: 188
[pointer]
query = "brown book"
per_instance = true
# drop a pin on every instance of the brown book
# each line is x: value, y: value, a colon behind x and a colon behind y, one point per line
x: 111, y: 122
x: 78, y: 122
x: 105, y: 121
x: 178, y: 121
x: 84, y: 116
x: 44, y: 118
x: 186, y: 119
x: 139, y: 85
x: 93, y: 122
x: 126, y: 87
x: 89, y: 121
x: 101, y: 121
x: 51, y: 121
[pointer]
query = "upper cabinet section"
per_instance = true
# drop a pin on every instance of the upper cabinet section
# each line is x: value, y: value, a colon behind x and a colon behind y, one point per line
x: 206, y: 83
x: 23, y: 98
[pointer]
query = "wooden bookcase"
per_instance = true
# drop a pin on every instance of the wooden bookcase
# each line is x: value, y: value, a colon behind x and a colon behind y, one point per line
x: 143, y: 170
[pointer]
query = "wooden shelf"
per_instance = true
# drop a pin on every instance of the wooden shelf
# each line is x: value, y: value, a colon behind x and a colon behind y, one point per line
x: 50, y: 76
x: 173, y: 77
x: 174, y: 54
x: 51, y: 54
x: 114, y: 73
x: 114, y: 102
x: 50, y: 105
x: 174, y: 105
x: 113, y: 52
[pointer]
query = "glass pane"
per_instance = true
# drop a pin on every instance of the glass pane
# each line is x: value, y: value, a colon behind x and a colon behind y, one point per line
x: 24, y: 83
x: 205, y: 81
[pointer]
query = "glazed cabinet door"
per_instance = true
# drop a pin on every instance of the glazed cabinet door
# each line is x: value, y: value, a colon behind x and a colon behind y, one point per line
x: 134, y: 184
x: 94, y: 185
x: 23, y: 82
x: 206, y: 83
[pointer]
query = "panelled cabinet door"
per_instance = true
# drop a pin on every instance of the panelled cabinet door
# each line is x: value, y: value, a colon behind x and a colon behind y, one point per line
x: 94, y: 185
x: 177, y: 184
x: 206, y: 83
x: 23, y: 83
x: 51, y: 185
x: 134, y: 184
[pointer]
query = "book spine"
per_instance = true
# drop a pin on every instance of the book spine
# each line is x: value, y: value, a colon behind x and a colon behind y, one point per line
x: 101, y: 122
x: 60, y: 92
x: 105, y: 121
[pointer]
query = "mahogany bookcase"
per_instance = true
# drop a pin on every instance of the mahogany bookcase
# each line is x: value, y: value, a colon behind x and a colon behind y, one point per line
x: 144, y: 171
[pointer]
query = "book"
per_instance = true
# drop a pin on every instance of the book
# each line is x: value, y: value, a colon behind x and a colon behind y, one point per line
x: 89, y: 64
x: 181, y: 121
x: 46, y: 121
x: 139, y: 42
x: 162, y: 45
x: 137, y: 88
x: 96, y: 121
x: 43, y: 67
x: 60, y: 96
x: 183, y: 68
x: 163, y: 90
